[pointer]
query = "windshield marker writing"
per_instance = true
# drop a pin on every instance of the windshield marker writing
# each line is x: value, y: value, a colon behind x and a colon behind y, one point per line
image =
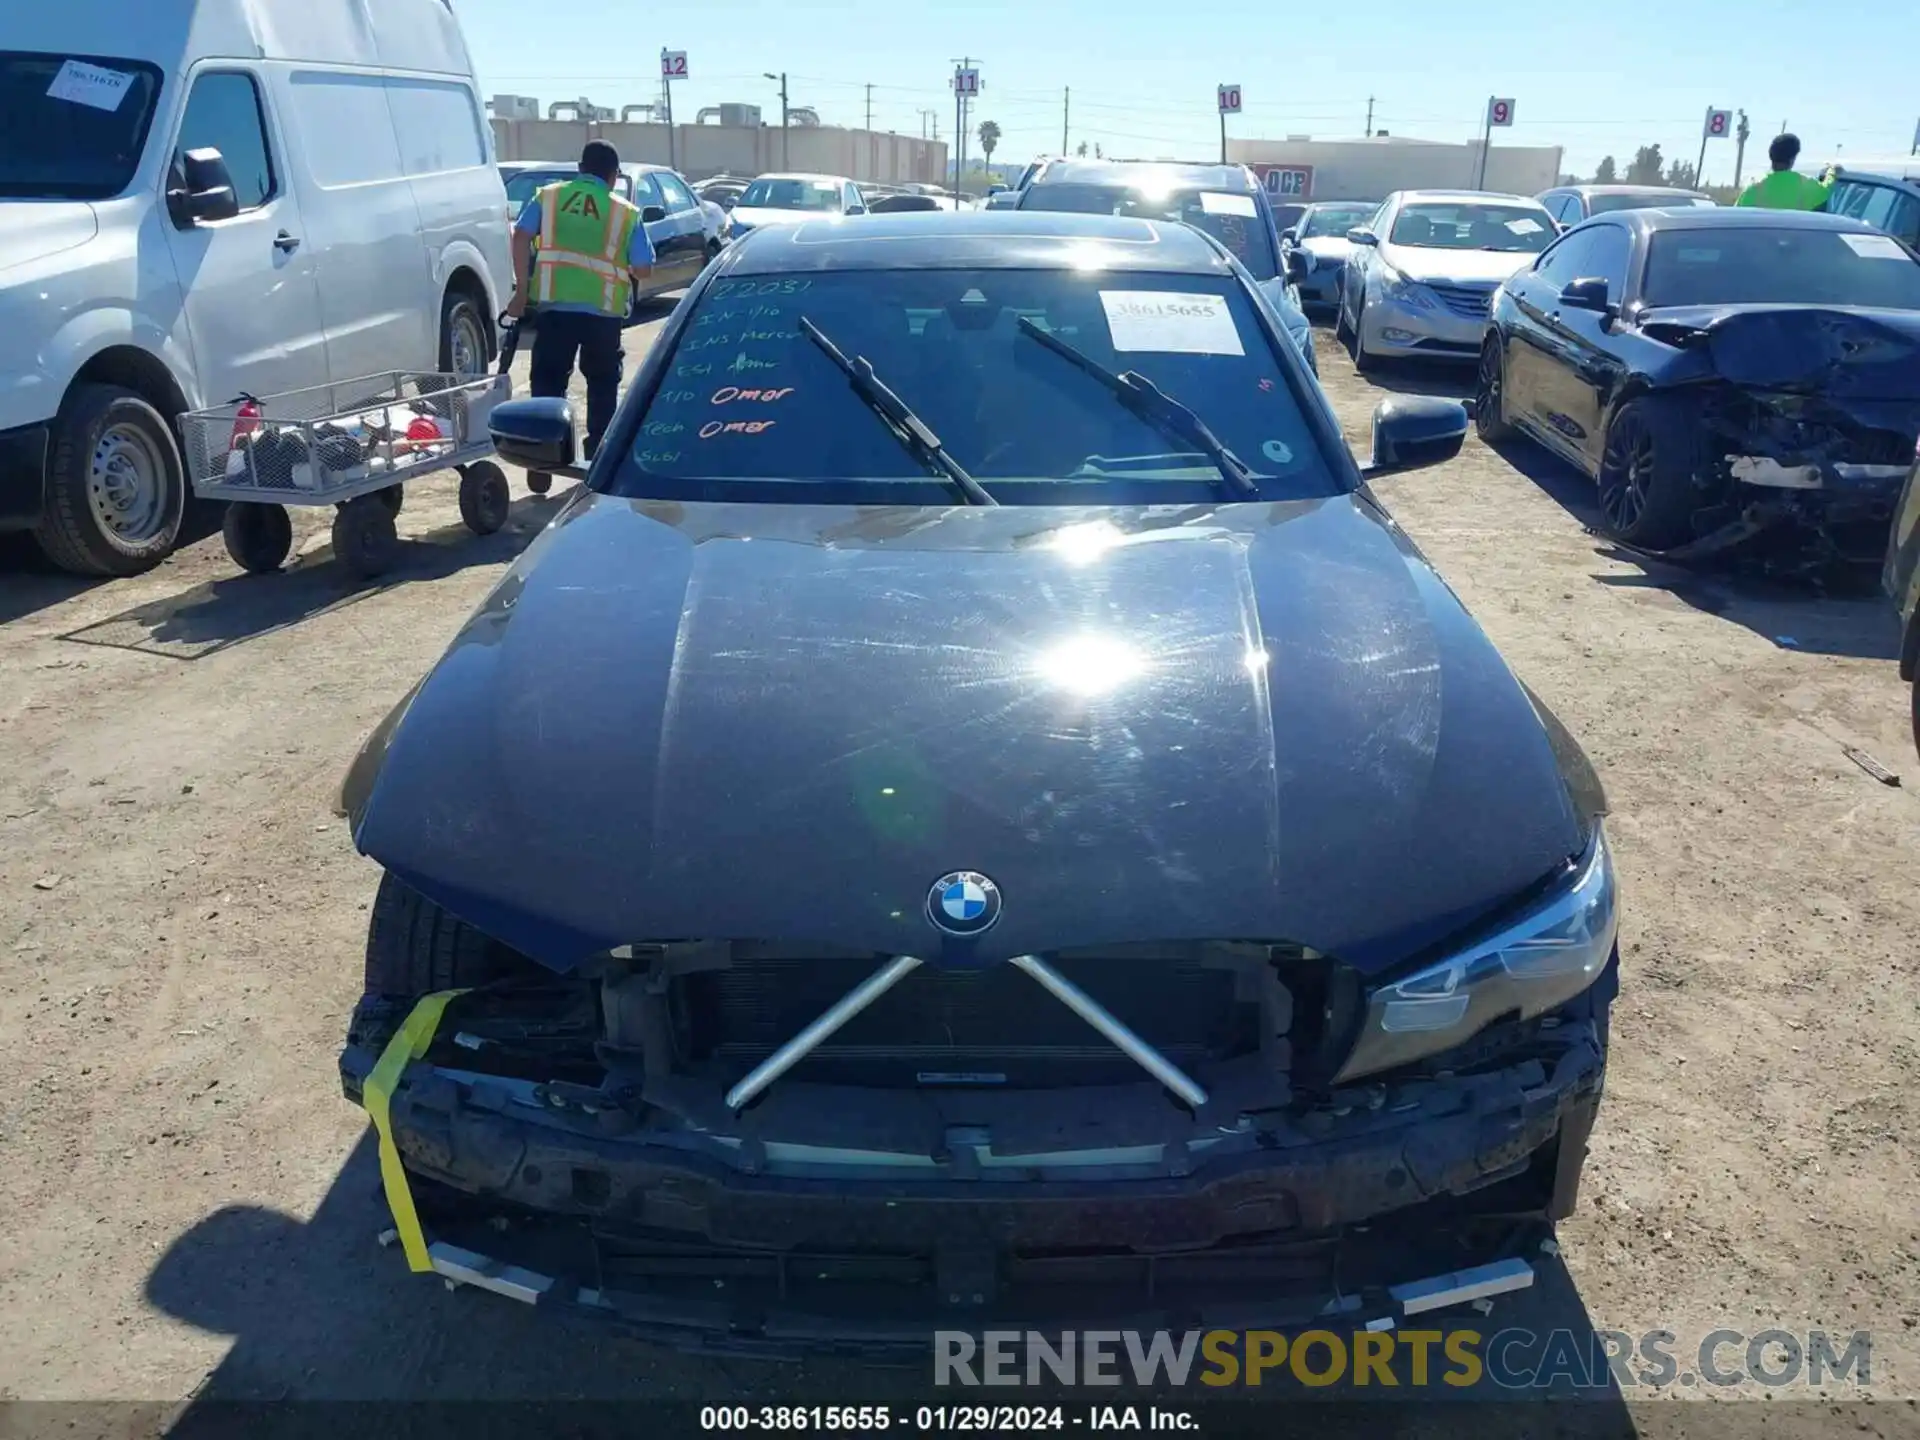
x: 727, y: 394
x: 734, y: 427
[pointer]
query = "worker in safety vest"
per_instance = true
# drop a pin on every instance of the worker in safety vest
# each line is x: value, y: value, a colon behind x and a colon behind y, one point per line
x: 1785, y: 188
x: 593, y: 249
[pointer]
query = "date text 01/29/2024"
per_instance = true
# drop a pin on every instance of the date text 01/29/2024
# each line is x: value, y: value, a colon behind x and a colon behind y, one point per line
x: 976, y: 1419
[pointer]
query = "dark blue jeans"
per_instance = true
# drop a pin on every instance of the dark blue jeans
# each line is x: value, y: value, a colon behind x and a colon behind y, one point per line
x: 558, y: 337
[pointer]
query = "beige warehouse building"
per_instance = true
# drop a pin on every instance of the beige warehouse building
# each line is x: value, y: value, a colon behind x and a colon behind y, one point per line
x: 1300, y: 168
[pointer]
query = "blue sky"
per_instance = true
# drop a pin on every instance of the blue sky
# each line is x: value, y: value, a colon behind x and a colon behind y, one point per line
x: 1597, y: 79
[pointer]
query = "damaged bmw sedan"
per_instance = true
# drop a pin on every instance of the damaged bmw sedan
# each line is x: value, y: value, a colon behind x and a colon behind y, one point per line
x: 975, y: 812
x: 1718, y: 372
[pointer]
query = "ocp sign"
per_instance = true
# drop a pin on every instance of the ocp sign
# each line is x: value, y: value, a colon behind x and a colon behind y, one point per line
x: 1286, y: 182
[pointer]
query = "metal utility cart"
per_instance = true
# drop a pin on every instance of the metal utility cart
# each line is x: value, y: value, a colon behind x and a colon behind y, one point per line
x: 352, y: 445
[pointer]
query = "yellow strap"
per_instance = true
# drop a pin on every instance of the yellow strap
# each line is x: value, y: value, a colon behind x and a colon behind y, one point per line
x: 551, y: 258
x: 409, y: 1043
x: 549, y: 212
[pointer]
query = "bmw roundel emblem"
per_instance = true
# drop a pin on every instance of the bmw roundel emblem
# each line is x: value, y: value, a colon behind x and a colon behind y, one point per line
x: 963, y: 903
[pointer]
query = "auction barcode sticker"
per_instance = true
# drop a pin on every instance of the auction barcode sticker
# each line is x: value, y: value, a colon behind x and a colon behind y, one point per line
x: 1171, y: 321
x: 93, y: 85
x: 1875, y: 247
x: 1217, y: 202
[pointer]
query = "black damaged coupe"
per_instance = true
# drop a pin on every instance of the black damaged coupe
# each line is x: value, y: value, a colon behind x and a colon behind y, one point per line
x: 975, y: 813
x: 1717, y: 372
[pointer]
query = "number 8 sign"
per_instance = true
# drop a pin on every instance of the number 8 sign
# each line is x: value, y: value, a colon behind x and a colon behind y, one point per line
x: 1500, y: 112
x: 1718, y: 122
x: 1229, y: 99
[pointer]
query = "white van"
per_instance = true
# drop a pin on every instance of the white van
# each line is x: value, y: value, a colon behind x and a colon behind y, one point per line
x: 206, y: 199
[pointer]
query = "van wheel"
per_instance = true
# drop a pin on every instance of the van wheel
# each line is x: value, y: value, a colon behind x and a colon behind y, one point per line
x: 116, y: 487
x: 464, y: 349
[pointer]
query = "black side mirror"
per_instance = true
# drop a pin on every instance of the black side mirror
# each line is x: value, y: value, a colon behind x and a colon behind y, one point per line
x: 206, y: 188
x: 1297, y: 265
x: 1361, y: 235
x: 536, y: 434
x: 1410, y: 432
x: 1588, y: 294
x: 652, y: 214
x: 1289, y: 237
x: 856, y: 209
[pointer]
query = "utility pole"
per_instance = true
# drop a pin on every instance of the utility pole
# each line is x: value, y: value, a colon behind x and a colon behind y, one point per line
x: 785, y: 163
x: 965, y: 62
x: 1066, y: 110
x: 1369, y: 117
x: 869, y: 107
x: 1486, y: 144
x: 1739, y: 149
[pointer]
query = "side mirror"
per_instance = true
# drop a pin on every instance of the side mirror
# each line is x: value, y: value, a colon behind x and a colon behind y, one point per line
x: 1361, y: 235
x: 1289, y: 237
x: 206, y: 191
x: 1588, y: 294
x: 1298, y: 264
x: 856, y: 209
x: 652, y: 215
x: 1410, y: 432
x: 536, y: 434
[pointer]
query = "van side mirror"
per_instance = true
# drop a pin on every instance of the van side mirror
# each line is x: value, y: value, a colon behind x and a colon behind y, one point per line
x: 536, y: 434
x: 1410, y: 432
x: 205, y: 191
x: 1298, y: 266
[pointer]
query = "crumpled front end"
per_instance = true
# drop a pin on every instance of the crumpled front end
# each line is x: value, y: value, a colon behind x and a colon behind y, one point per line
x: 1827, y: 460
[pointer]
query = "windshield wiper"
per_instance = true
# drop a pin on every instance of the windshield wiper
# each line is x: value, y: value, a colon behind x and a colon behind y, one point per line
x: 905, y: 426
x: 1155, y: 406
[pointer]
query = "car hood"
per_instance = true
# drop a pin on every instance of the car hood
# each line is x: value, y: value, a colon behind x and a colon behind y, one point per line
x: 758, y: 215
x: 784, y: 723
x: 1330, y: 248
x: 33, y: 230
x: 1829, y: 350
x: 1432, y: 265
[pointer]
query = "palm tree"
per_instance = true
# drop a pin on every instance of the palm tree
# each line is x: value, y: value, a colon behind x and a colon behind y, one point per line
x: 989, y: 138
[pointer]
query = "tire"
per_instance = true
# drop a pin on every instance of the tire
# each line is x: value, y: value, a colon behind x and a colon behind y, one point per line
x: 116, y: 486
x: 1342, y: 332
x: 259, y: 537
x: 1916, y: 714
x: 415, y: 948
x: 1646, y: 484
x: 364, y: 539
x: 485, y: 500
x: 539, y: 482
x: 1490, y: 394
x: 1363, y: 362
x: 393, y: 497
x: 466, y: 348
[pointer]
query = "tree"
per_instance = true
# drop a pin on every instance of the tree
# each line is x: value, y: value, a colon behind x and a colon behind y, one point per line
x: 989, y: 138
x: 1081, y: 150
x: 1096, y: 151
x: 1646, y: 167
x: 1680, y: 175
x: 1606, y: 174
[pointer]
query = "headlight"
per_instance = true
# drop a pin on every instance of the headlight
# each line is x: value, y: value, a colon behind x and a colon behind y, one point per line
x: 1407, y: 292
x: 1539, y: 962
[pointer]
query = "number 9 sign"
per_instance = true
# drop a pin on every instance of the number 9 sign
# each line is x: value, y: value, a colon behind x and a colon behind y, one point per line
x: 1500, y: 112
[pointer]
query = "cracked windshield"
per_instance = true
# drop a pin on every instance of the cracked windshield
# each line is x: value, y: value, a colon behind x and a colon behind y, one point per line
x: 902, y: 718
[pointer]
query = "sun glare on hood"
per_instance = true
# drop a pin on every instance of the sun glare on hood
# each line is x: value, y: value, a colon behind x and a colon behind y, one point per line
x: 1090, y: 665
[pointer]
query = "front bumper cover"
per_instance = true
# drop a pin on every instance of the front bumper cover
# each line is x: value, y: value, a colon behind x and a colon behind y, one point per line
x: 745, y: 1242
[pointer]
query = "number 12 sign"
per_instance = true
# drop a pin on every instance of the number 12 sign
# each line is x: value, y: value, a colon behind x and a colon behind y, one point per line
x: 673, y: 64
x: 1229, y: 99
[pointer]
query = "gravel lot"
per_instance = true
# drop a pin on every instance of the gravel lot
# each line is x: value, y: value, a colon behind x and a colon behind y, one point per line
x: 190, y: 1205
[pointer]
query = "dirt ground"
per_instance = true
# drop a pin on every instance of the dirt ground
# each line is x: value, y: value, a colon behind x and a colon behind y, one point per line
x: 190, y: 1207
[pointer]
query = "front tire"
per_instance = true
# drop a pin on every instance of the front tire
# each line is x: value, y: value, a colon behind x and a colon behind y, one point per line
x: 1490, y: 394
x: 116, y: 486
x: 415, y: 948
x: 1646, y: 485
x: 1363, y: 360
x: 465, y: 349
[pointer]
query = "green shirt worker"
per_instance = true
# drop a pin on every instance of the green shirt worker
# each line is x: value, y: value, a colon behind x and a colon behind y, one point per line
x: 593, y: 250
x: 1786, y: 188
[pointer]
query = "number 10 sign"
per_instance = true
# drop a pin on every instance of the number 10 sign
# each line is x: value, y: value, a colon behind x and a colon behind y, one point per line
x: 1229, y: 99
